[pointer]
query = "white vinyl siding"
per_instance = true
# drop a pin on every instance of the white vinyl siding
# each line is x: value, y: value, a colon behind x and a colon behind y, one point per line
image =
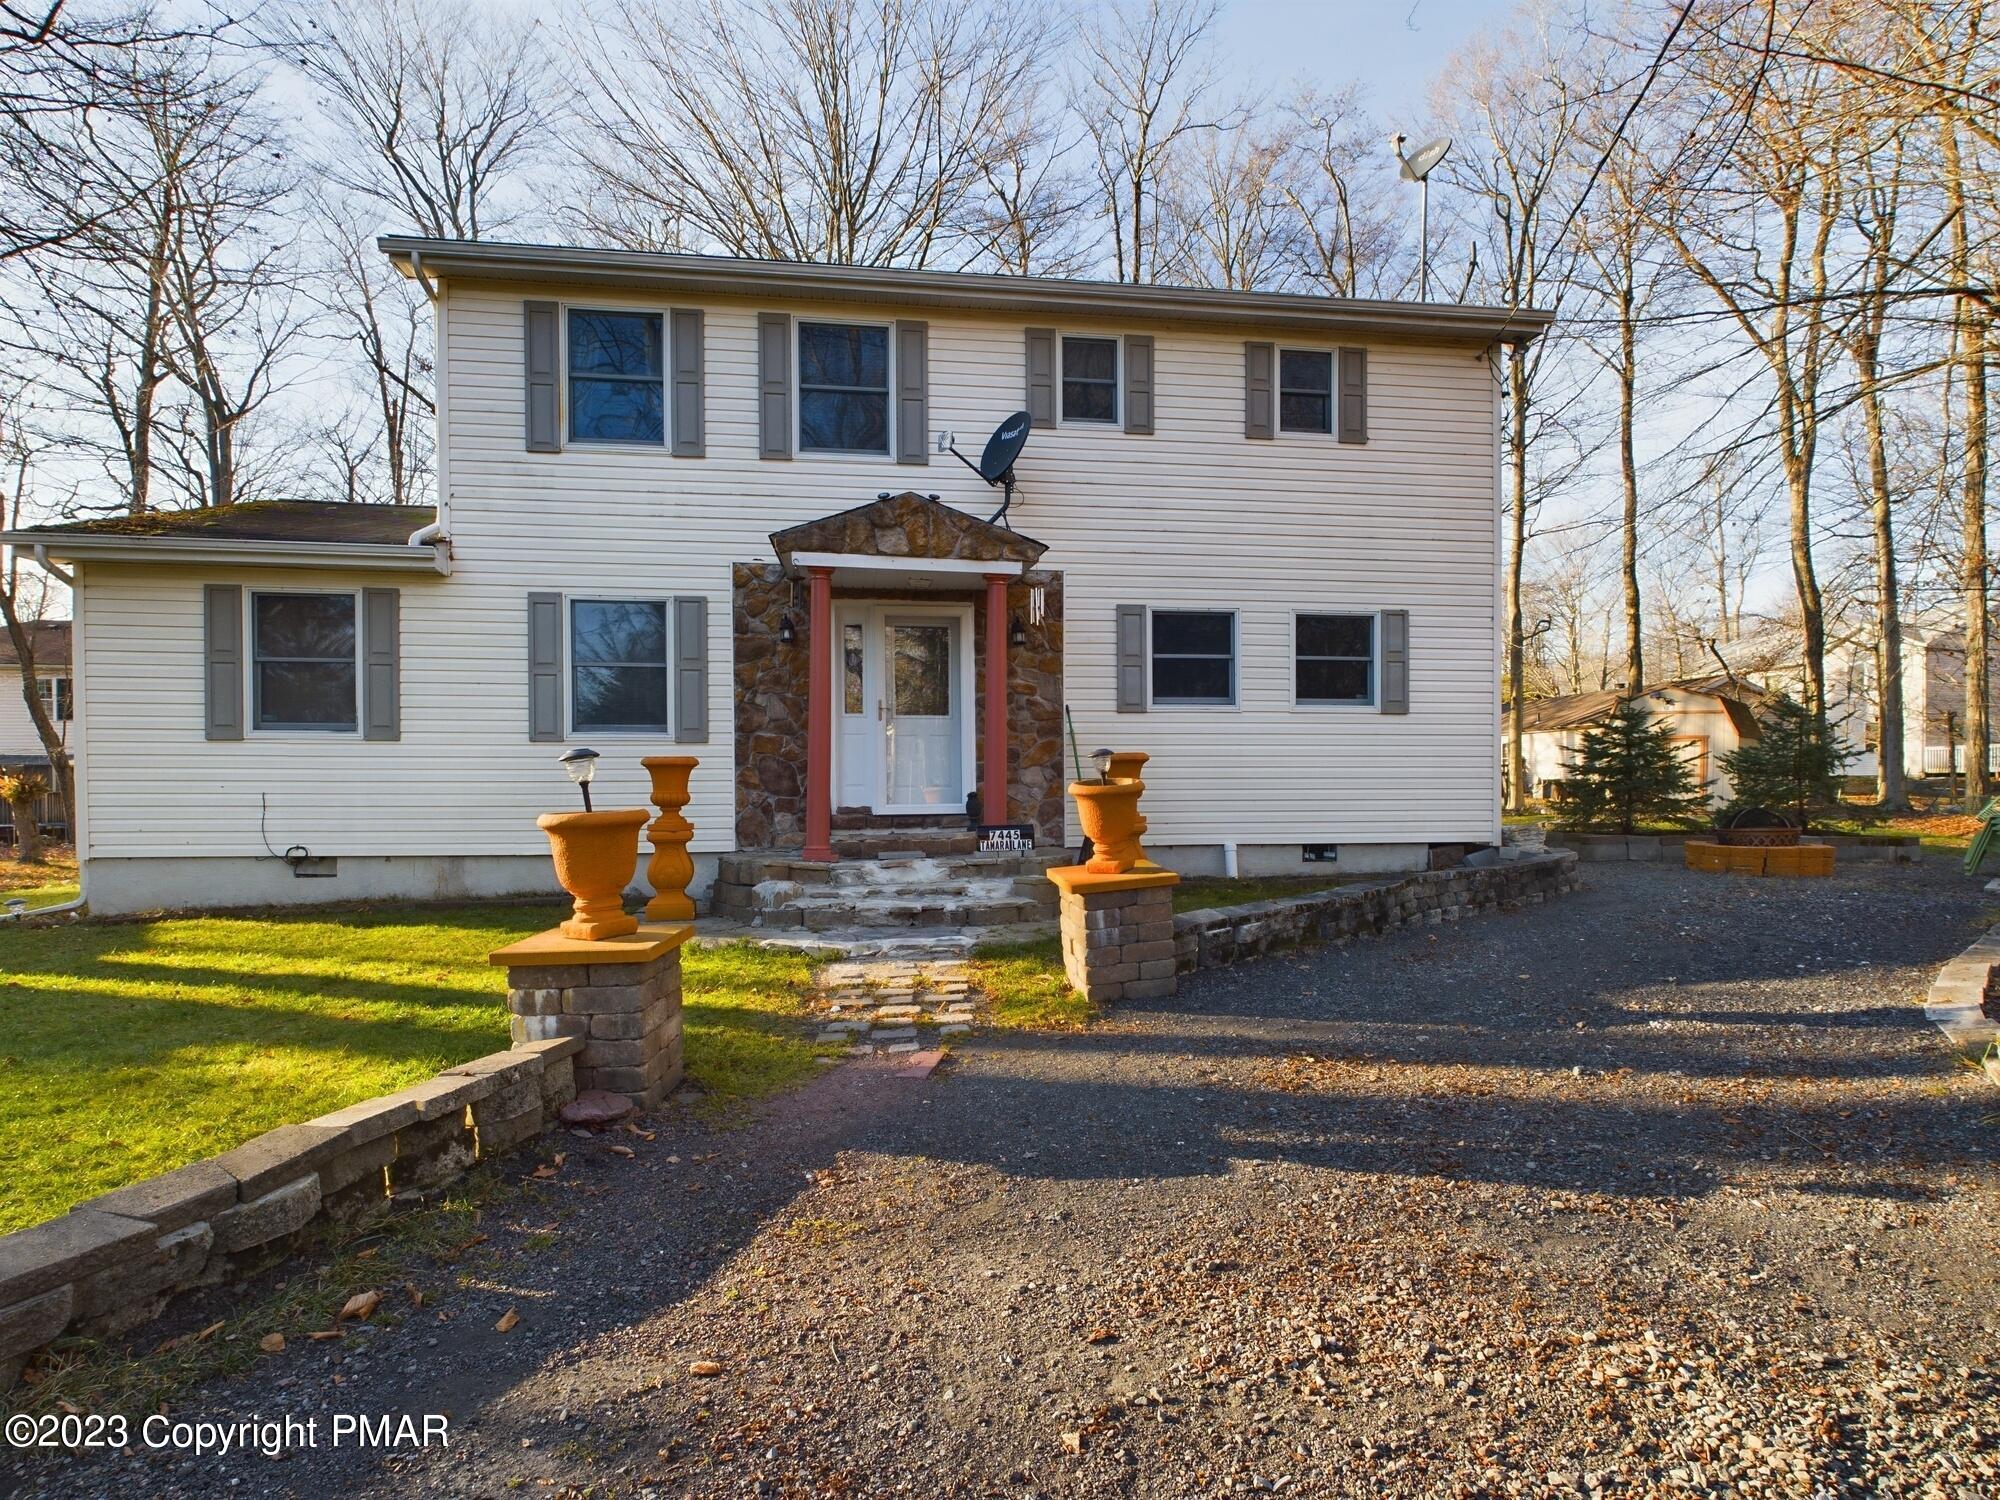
x: 1192, y: 517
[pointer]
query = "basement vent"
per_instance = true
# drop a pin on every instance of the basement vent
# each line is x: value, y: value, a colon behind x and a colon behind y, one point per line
x: 1320, y: 854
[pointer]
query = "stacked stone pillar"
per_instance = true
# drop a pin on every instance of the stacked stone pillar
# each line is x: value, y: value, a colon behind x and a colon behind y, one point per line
x: 1118, y: 932
x: 620, y: 997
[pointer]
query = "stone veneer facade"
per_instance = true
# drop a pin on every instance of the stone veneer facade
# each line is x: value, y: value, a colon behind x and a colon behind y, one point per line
x: 770, y: 676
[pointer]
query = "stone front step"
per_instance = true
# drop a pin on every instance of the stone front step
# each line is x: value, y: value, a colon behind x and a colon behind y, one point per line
x: 974, y: 890
x: 879, y: 843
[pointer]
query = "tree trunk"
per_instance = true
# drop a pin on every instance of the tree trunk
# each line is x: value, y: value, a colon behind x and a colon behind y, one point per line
x: 1628, y: 375
x: 27, y: 830
x: 61, y: 775
x: 1978, y: 731
x: 1891, y: 789
x: 1517, y: 547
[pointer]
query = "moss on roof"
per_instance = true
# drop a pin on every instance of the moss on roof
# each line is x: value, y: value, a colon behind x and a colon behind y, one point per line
x: 262, y: 521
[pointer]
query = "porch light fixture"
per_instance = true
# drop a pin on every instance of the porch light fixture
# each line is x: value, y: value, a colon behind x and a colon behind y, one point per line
x: 787, y: 631
x: 1102, y: 760
x: 580, y: 765
x: 1017, y: 634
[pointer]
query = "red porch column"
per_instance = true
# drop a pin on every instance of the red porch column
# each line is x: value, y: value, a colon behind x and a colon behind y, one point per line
x: 819, y: 717
x: 993, y: 784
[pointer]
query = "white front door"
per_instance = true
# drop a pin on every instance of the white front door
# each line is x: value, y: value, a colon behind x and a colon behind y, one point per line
x: 922, y: 723
x: 903, y: 681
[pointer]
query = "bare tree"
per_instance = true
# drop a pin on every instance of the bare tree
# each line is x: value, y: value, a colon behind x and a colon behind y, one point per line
x: 853, y: 131
x: 24, y: 601
x: 1348, y: 238
x: 445, y: 99
x: 1619, y: 270
x: 1026, y: 215
x: 1146, y: 86
x: 1750, y: 203
x: 1509, y: 100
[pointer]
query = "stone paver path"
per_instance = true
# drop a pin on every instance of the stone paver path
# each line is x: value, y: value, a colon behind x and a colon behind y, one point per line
x: 894, y: 1003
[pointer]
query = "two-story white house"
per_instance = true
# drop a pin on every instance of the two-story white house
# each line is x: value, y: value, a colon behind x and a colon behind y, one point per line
x: 699, y: 505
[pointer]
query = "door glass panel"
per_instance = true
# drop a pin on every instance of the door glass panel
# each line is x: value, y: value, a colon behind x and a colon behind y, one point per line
x: 922, y: 660
x: 921, y: 737
x: 850, y: 665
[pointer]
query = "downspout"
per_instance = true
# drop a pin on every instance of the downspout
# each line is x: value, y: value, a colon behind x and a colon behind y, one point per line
x: 47, y: 565
x: 440, y: 529
x: 1229, y: 859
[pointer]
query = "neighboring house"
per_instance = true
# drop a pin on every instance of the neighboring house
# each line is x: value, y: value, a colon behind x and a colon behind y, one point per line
x: 1709, y: 717
x: 20, y: 745
x: 1774, y: 660
x: 1933, y: 690
x: 1934, y: 697
x: 697, y: 505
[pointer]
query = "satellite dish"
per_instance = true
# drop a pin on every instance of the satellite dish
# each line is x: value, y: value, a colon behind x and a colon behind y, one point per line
x: 1418, y: 169
x: 1008, y: 439
x: 996, y: 464
x: 1417, y: 166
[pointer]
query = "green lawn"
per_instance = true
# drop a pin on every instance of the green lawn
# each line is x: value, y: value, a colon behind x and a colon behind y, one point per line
x: 1199, y: 892
x: 128, y: 1049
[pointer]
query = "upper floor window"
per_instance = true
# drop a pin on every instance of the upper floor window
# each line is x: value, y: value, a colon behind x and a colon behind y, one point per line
x: 1305, y: 390
x: 618, y: 663
x: 1334, y: 658
x: 1194, y: 656
x: 55, y: 693
x: 844, y: 387
x: 617, y: 381
x: 302, y: 652
x: 1089, y: 380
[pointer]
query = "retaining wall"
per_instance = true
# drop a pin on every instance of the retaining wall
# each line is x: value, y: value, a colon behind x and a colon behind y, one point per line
x: 1648, y: 847
x: 1210, y: 938
x: 116, y: 1261
x: 1960, y: 998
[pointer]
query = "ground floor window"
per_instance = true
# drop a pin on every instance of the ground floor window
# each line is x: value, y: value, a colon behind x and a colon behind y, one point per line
x: 618, y: 663
x: 1334, y: 658
x: 303, y: 673
x: 1194, y: 656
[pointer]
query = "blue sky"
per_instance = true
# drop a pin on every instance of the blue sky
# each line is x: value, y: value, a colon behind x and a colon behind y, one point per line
x: 1394, y: 47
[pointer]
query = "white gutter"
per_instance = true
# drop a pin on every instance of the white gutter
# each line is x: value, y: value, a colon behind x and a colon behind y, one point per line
x: 397, y: 557
x: 43, y: 561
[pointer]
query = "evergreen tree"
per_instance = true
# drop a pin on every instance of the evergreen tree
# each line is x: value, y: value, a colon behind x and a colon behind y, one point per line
x: 1629, y: 770
x: 1793, y: 767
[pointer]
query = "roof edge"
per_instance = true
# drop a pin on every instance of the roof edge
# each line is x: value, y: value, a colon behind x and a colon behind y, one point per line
x: 488, y: 260
x: 234, y: 552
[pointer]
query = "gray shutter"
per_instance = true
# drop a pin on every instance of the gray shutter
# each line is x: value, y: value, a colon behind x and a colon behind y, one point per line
x: 540, y: 346
x: 222, y: 629
x: 913, y: 366
x: 1259, y: 400
x: 1041, y: 377
x: 1138, y: 382
x: 691, y: 669
x: 774, y: 385
x: 1131, y: 658
x: 1354, y: 395
x: 1395, y: 661
x: 381, y: 665
x: 545, y: 690
x: 689, y: 439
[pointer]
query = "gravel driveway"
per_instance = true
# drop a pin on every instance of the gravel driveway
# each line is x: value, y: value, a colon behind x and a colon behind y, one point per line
x: 1662, y: 1188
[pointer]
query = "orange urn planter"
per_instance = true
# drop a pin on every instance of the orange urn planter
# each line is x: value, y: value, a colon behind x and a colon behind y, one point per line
x: 595, y: 855
x: 1127, y: 765
x: 670, y: 869
x: 1109, y: 813
x: 1130, y: 765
